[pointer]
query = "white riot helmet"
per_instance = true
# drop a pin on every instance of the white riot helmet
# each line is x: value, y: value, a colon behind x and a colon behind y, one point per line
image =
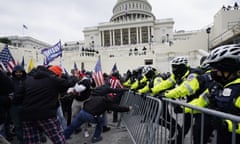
x: 225, y: 58
x: 179, y: 61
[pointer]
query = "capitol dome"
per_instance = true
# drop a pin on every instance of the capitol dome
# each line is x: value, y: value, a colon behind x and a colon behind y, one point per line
x: 131, y: 10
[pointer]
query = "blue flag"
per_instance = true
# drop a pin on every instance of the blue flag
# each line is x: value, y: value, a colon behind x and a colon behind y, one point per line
x: 114, y: 68
x: 24, y: 26
x: 52, y: 53
x: 75, y: 66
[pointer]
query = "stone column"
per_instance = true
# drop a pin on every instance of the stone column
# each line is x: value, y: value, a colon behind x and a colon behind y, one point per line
x: 140, y: 34
x: 129, y: 36
x: 110, y: 37
x: 113, y: 37
x: 137, y: 34
x: 121, y: 36
x: 103, y: 38
x: 149, y: 37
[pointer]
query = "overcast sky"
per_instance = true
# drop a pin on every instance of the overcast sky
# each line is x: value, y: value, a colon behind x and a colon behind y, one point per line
x: 54, y: 20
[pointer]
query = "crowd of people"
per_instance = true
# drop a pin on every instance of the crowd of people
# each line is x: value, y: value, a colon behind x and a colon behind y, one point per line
x: 48, y: 102
x: 229, y: 7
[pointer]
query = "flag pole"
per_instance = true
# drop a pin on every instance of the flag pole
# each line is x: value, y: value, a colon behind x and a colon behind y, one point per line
x: 61, y: 63
x: 22, y: 30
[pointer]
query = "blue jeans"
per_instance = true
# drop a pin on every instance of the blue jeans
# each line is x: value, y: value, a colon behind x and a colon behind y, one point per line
x: 81, y: 118
x: 61, y: 118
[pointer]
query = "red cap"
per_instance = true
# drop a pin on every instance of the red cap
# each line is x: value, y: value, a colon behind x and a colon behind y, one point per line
x: 56, y: 69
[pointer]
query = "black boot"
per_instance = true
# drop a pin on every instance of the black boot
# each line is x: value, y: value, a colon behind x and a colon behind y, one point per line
x: 105, y: 129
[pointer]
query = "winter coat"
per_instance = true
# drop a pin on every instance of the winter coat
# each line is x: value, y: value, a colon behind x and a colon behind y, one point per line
x: 6, y: 88
x: 40, y: 93
x: 97, y: 105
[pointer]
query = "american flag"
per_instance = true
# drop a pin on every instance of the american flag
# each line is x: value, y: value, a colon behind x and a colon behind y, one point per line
x: 7, y: 59
x: 97, y: 74
x: 115, y: 82
x: 2, y: 67
x: 24, y: 26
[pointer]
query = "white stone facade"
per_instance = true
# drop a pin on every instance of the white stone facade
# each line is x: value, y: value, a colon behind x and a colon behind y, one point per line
x: 133, y: 37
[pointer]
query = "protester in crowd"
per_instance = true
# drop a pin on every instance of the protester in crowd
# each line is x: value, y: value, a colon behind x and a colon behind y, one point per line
x: 67, y: 101
x: 106, y: 90
x: 235, y: 6
x: 39, y: 96
x: 18, y: 77
x: 5, y: 102
x: 223, y: 96
x: 115, y: 83
x: 92, y: 111
x: 80, y: 92
x: 180, y: 72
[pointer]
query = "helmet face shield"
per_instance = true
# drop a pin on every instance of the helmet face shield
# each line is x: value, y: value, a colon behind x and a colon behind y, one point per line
x: 179, y: 70
x: 226, y: 65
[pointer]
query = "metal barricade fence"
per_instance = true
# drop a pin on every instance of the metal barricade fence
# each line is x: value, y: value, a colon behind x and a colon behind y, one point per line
x: 154, y: 121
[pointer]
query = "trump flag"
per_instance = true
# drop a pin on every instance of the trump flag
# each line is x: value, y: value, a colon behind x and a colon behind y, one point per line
x: 52, y: 53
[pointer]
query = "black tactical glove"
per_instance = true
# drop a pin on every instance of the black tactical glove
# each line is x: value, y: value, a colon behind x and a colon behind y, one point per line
x: 219, y: 124
x: 150, y: 85
x: 144, y: 95
x: 160, y: 96
x: 178, y: 109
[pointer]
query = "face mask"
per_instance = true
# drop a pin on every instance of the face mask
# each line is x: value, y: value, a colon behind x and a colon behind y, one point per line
x: 179, y: 71
x: 220, y: 79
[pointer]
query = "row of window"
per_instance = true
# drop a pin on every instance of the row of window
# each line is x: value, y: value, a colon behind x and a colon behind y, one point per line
x: 133, y: 5
x: 125, y: 36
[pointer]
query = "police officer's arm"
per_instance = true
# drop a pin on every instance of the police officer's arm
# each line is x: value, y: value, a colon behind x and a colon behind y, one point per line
x: 229, y: 122
x: 135, y: 85
x: 187, y: 88
x: 164, y: 85
x: 127, y: 83
x: 145, y: 89
x: 201, y: 101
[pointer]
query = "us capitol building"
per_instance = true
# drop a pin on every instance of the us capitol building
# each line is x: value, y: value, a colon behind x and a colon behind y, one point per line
x: 135, y: 37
